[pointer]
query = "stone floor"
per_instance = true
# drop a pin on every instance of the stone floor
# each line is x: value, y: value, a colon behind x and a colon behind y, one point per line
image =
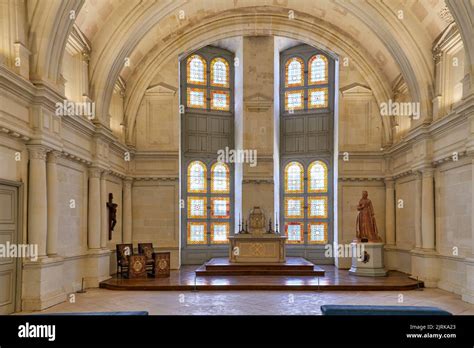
x: 252, y: 302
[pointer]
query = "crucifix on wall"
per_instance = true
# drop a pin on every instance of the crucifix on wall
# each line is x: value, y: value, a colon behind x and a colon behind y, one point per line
x: 112, y: 207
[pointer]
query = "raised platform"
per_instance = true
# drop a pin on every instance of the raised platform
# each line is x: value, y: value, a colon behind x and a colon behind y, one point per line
x: 294, y: 266
x: 185, y: 279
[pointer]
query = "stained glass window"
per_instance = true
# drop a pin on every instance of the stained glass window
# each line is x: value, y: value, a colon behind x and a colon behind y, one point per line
x: 294, y: 100
x: 318, y: 177
x: 197, y: 232
x: 294, y: 72
x: 294, y: 177
x: 219, y: 232
x: 220, y: 178
x: 294, y: 232
x: 318, y: 207
x: 219, y: 72
x: 318, y: 232
x: 294, y: 207
x: 197, y: 207
x: 307, y: 88
x: 318, y: 98
x: 197, y: 177
x: 196, y: 98
x: 318, y: 69
x: 220, y: 100
x: 208, y: 96
x: 220, y: 207
x: 196, y: 70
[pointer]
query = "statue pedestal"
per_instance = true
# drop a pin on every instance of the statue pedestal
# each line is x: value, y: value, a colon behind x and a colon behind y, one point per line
x: 254, y: 248
x: 369, y: 263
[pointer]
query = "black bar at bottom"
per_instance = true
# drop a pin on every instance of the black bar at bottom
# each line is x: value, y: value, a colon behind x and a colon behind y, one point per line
x: 237, y: 330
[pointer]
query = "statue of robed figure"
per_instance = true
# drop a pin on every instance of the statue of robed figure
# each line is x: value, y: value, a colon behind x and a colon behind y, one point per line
x: 366, y: 228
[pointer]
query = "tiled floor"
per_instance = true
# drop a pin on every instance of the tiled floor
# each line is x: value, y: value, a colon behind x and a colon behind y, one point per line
x: 252, y: 302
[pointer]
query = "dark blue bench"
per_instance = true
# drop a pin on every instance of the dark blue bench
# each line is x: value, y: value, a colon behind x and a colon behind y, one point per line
x: 99, y: 313
x: 380, y: 310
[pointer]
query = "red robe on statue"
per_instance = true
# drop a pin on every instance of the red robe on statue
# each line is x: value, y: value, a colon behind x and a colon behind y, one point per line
x: 365, y: 225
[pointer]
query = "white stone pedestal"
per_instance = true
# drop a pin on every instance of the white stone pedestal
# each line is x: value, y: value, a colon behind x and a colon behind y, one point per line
x: 370, y: 263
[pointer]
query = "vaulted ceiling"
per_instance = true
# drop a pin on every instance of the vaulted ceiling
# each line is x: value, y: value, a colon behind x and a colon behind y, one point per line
x: 384, y: 38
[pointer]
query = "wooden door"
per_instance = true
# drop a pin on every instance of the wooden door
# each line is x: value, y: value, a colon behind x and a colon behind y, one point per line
x: 8, y: 235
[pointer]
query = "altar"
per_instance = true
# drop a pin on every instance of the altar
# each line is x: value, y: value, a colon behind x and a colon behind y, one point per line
x: 258, y: 250
x: 263, y: 248
x: 255, y: 243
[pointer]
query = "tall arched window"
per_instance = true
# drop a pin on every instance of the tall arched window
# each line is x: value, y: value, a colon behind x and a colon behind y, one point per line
x: 208, y: 224
x: 306, y: 150
x: 207, y: 185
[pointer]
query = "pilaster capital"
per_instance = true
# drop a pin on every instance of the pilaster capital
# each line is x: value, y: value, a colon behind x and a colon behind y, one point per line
x: 104, y: 174
x: 127, y: 182
x: 53, y: 156
x: 94, y: 172
x: 37, y: 152
x: 427, y: 172
x: 389, y: 182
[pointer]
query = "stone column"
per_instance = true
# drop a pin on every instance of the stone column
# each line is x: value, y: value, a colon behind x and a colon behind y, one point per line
x: 418, y: 210
x: 389, y: 211
x: 127, y: 211
x: 93, y: 236
x: 53, y: 213
x: 427, y: 210
x: 104, y: 226
x: 258, y: 123
x: 37, y: 199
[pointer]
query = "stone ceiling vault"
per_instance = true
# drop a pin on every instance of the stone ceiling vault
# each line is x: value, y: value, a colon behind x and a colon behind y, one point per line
x: 369, y: 32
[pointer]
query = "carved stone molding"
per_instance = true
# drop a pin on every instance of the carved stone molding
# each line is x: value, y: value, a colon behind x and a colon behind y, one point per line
x: 94, y: 173
x: 449, y: 158
x: 14, y: 134
x: 403, y: 174
x: 76, y: 158
x: 389, y: 182
x: 127, y: 182
x: 156, y: 178
x: 353, y: 178
x: 258, y: 103
x: 53, y: 156
x: 37, y: 152
x: 258, y: 181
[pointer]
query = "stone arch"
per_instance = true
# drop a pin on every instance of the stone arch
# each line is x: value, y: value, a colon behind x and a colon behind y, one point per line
x: 238, y: 25
x: 50, y: 25
x: 414, y: 68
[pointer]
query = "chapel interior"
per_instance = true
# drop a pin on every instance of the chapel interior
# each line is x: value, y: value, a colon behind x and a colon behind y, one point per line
x: 113, y: 115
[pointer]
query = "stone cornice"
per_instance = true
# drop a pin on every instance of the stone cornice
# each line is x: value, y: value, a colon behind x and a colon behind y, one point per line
x: 361, y: 154
x: 76, y: 158
x: 403, y: 174
x: 16, y: 84
x: 258, y: 181
x: 438, y: 127
x: 77, y: 42
x: 361, y: 178
x: 155, y: 154
x: 156, y: 178
x: 13, y: 134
